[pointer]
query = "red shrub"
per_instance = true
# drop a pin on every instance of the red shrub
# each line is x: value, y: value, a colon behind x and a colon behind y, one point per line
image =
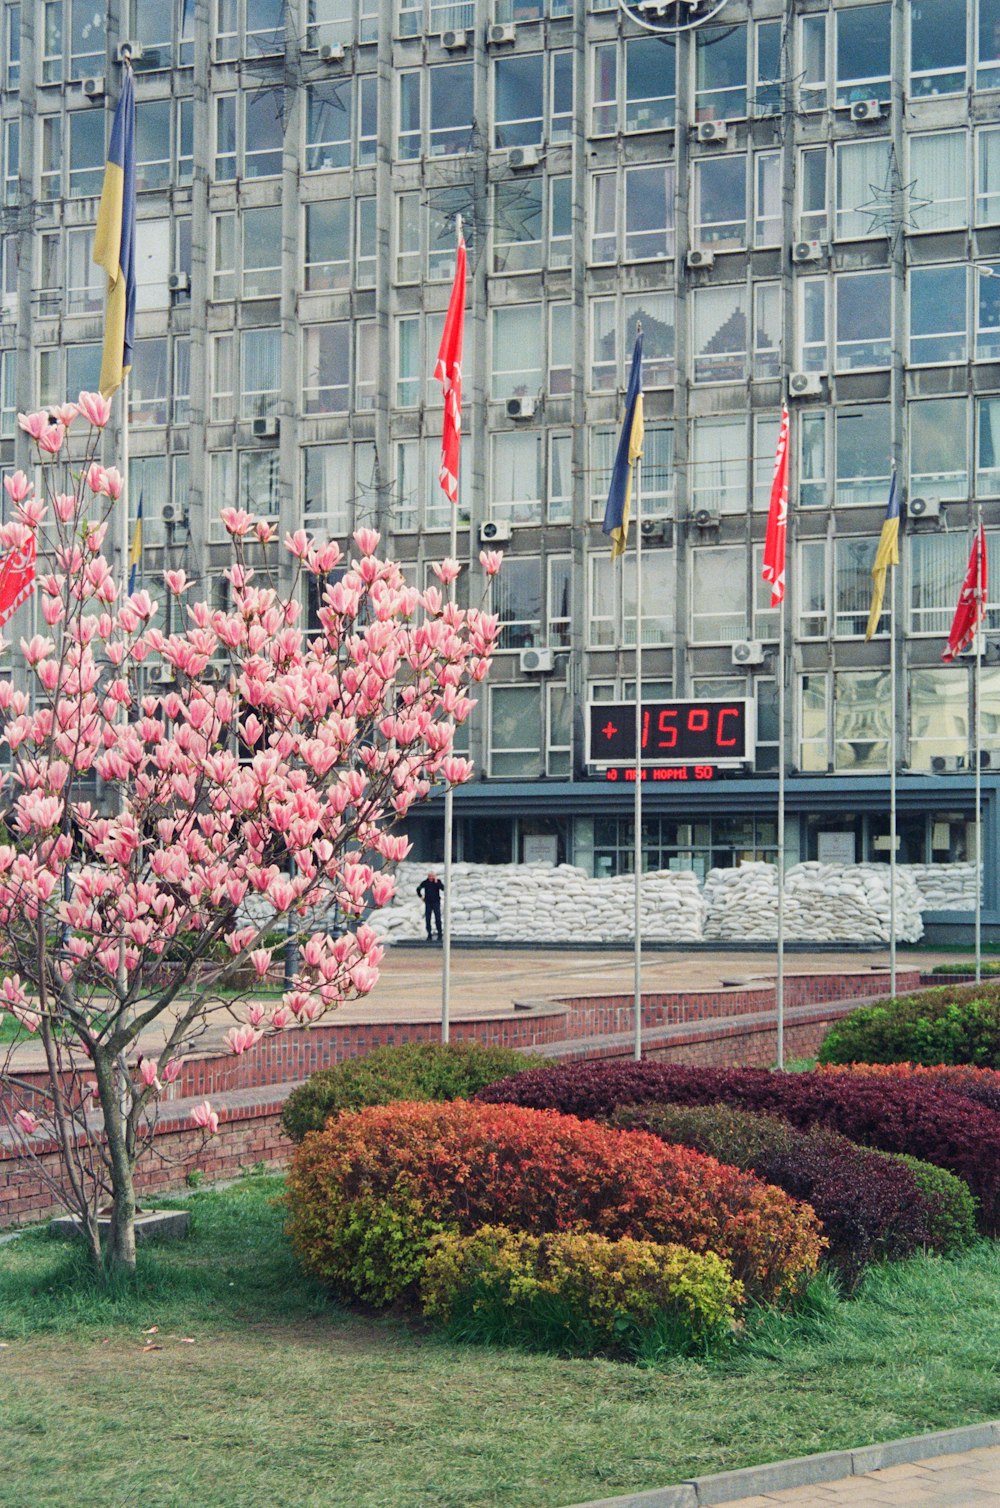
x: 980, y: 1084
x: 368, y: 1193
x: 925, y: 1119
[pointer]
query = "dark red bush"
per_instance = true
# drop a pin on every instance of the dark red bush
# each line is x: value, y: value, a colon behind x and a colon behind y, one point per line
x: 923, y: 1119
x: 981, y: 1084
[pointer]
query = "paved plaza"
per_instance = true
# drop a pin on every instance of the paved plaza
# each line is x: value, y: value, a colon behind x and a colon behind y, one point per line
x: 941, y: 1482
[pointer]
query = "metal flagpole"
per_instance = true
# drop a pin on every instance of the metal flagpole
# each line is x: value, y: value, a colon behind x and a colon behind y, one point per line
x: 981, y: 619
x: 449, y: 800
x: 892, y: 779
x: 637, y: 818
x: 779, y: 989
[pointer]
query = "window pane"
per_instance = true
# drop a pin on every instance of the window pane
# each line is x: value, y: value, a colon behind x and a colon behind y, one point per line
x: 650, y: 64
x: 863, y: 320
x: 720, y: 202
x: 863, y: 53
x: 937, y: 47
x: 863, y: 183
x: 722, y: 72
x: 518, y: 96
x: 720, y: 334
x: 938, y: 316
x: 863, y: 454
x: 328, y: 244
x: 939, y: 448
x: 517, y: 351
x: 937, y: 198
x: 861, y: 720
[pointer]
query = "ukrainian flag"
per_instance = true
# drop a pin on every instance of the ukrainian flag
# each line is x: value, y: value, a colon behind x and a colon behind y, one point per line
x: 114, y: 241
x: 135, y: 554
x: 886, y: 555
x: 629, y: 450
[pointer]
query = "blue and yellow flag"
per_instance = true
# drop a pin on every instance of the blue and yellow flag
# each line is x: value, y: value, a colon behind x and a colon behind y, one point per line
x: 629, y: 450
x: 114, y: 241
x: 886, y: 555
x: 135, y: 554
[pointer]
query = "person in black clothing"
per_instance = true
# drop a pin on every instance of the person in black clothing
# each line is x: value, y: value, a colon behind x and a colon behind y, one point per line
x: 430, y: 891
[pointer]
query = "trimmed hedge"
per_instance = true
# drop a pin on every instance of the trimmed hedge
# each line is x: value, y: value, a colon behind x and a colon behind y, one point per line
x: 367, y: 1195
x: 953, y: 1024
x: 980, y: 1084
x: 578, y: 1293
x: 926, y: 1120
x: 871, y: 1206
x: 951, y: 1203
x: 412, y: 1071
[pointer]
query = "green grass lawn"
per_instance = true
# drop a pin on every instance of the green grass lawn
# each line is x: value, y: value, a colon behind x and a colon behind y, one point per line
x: 266, y: 1393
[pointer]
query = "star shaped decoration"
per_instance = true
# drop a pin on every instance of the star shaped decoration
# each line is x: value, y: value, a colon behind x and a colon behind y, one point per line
x: 893, y: 204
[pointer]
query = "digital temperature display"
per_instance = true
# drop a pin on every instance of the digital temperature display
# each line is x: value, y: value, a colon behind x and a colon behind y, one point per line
x: 702, y: 732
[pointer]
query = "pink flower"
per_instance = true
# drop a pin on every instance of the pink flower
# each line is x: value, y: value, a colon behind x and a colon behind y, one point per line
x: 171, y: 1070
x: 456, y: 770
x: 35, y: 424
x: 261, y: 960
x: 17, y: 487
x: 148, y: 1072
x: 447, y: 570
x: 239, y: 1039
x: 114, y: 482
x: 25, y: 1122
x: 95, y: 409
x: 491, y: 560
x: 66, y: 413
x: 176, y: 582
x: 204, y: 1116
x: 51, y: 438
x: 236, y: 521
x: 367, y: 540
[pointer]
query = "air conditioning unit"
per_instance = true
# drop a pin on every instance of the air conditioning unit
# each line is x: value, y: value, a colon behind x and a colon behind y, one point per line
x: 866, y: 109
x: 499, y: 35
x: 538, y: 661
x: 808, y: 251
x: 521, y: 408
x: 162, y: 675
x: 494, y: 531
x: 923, y: 507
x: 332, y: 52
x: 707, y: 518
x: 523, y: 157
x: 179, y: 282
x: 655, y: 528
x: 943, y: 763
x: 748, y: 652
x: 454, y: 41
x: 712, y: 131
x: 129, y: 50
x: 93, y: 87
x: 700, y: 257
x: 170, y: 513
x: 805, y: 384
x: 266, y: 429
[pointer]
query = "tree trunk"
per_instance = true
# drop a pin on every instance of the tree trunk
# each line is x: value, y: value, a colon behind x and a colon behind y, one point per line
x: 120, y: 1248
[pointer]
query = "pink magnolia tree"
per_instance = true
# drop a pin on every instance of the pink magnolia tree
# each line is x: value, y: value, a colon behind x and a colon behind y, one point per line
x: 147, y: 822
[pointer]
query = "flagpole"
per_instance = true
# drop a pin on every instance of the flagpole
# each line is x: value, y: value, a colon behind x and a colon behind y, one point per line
x: 779, y: 988
x: 980, y: 634
x: 637, y: 818
x: 449, y: 795
x: 892, y: 779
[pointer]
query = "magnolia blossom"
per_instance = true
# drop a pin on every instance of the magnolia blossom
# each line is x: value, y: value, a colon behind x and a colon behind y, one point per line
x: 95, y: 409
x: 204, y: 1116
x: 26, y: 1122
x: 491, y: 561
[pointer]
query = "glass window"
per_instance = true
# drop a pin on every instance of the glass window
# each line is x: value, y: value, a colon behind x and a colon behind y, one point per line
x: 8, y: 398
x: 813, y: 194
x: 517, y: 485
x: 986, y: 285
x: 328, y: 124
x: 12, y: 45
x: 263, y: 135
x: 812, y: 590
x: 812, y: 722
x: 450, y: 109
x: 517, y: 602
x: 937, y: 48
x: 365, y: 242
x: 937, y: 194
x: 153, y: 168
x: 649, y: 213
x: 560, y: 379
x: 988, y: 176
x: 812, y: 79
x: 863, y: 62
x: 11, y: 160
x: 938, y: 314
x: 650, y: 83
x: 326, y: 377
x: 719, y: 595
x: 765, y: 444
x: 560, y: 740
x: 408, y: 140
x: 658, y: 472
x: 864, y: 311
x: 718, y: 467
x: 517, y: 225
x: 863, y: 448
x: 861, y: 712
x: 223, y: 379
x: 84, y: 281
x: 262, y: 252
x: 260, y: 373
x: 812, y: 461
x: 225, y: 137
x: 86, y: 152
x: 328, y: 497
x: 517, y: 350
x: 148, y: 386
x: 655, y: 312
x: 767, y: 199
x: 936, y: 568
x: 519, y: 92
x: 721, y: 72
x: 408, y: 374
x: 224, y: 256
x: 328, y: 244
x: 608, y: 609
x: 987, y: 447
x: 853, y: 560
x: 604, y: 114
x: 768, y: 71
x: 83, y: 369
x: 515, y: 730
x: 863, y: 186
x: 720, y: 333
x: 988, y: 48
x: 560, y: 479
x: 720, y: 202
x: 939, y: 715
x: 367, y: 107
x: 560, y: 221
x: 258, y: 483
x: 939, y: 447
x: 766, y: 331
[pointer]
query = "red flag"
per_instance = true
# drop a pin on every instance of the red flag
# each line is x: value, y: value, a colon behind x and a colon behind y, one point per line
x: 777, y: 518
x: 17, y: 578
x: 449, y: 373
x: 971, y: 609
